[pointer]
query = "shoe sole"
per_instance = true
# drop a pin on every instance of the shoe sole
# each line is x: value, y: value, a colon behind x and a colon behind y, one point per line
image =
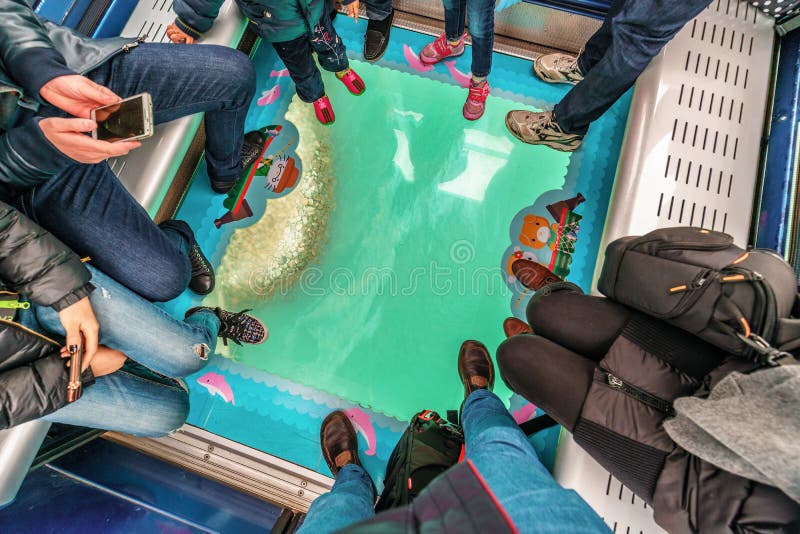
x: 552, y: 144
x: 472, y: 117
x: 429, y: 62
x: 385, y: 47
x: 545, y: 79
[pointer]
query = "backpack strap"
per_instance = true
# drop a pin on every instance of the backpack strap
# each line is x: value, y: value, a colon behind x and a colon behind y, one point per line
x: 537, y: 423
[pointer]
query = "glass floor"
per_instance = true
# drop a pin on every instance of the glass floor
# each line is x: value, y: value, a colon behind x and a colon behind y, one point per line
x: 373, y: 247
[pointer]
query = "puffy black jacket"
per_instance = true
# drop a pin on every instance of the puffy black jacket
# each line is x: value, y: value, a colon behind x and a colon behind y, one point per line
x: 33, y: 378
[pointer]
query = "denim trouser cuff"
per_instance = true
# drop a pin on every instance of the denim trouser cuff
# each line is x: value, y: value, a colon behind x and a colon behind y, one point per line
x: 182, y: 228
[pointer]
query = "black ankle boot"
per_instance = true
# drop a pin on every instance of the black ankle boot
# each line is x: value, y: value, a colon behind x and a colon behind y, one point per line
x: 202, y: 280
x: 251, y: 149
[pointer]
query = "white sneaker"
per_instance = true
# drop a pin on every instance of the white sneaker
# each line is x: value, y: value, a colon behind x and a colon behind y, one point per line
x: 541, y: 129
x: 558, y: 68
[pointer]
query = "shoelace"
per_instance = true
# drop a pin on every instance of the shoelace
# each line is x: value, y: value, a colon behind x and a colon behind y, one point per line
x: 197, y: 261
x: 238, y: 327
x: 566, y: 64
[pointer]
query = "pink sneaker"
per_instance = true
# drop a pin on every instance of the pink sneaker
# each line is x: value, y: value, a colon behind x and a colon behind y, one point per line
x: 352, y: 81
x: 476, y: 100
x: 324, y: 110
x: 439, y: 49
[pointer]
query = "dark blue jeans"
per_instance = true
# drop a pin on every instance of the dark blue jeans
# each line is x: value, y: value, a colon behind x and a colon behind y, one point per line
x: 297, y: 56
x: 378, y: 9
x: 91, y: 211
x: 481, y: 29
x: 633, y: 33
x: 505, y: 459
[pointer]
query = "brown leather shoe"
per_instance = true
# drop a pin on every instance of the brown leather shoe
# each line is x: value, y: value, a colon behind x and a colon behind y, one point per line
x: 339, y: 441
x: 514, y: 327
x: 533, y: 275
x: 475, y: 367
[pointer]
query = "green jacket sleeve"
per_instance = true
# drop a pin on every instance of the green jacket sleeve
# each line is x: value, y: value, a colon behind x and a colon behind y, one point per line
x: 195, y: 17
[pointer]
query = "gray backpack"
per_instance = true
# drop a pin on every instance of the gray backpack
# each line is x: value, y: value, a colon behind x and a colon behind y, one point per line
x: 744, y: 302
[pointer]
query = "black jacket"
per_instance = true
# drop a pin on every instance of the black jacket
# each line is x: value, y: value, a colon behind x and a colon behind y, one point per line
x: 33, y: 378
x: 456, y: 502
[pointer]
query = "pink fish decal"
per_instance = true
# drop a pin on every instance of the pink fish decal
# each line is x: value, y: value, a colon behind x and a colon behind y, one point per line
x: 363, y: 425
x: 279, y: 73
x: 525, y: 413
x: 269, y: 96
x: 462, y: 79
x: 217, y: 385
x: 413, y: 60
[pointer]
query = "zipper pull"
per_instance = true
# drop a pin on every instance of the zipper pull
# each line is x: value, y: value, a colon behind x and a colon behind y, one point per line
x: 130, y: 46
x: 14, y: 305
x: 613, y: 381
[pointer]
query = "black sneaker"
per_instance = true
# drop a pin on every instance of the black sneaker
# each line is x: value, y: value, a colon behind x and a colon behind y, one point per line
x: 202, y: 280
x: 251, y: 150
x: 377, y: 38
x: 238, y: 327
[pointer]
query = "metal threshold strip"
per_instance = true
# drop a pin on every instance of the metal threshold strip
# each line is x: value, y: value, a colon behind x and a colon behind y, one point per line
x: 243, y: 468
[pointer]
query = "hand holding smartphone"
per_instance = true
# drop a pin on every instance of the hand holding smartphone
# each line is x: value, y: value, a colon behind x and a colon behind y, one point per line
x: 130, y: 119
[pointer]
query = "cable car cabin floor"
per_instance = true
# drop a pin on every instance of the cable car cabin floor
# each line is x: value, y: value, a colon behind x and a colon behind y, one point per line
x: 374, y: 246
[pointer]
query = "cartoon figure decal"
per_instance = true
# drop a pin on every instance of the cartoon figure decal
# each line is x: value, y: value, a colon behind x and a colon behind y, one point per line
x: 280, y: 170
x: 363, y: 425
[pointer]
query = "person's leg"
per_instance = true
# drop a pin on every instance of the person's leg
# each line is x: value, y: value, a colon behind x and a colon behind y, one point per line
x: 639, y: 31
x: 481, y: 29
x: 595, y: 48
x: 331, y: 52
x: 378, y: 9
x: 296, y: 56
x: 506, y: 460
x: 553, y: 378
x: 128, y: 402
x: 88, y: 209
x: 350, y: 500
x: 455, y: 19
x: 584, y: 324
x: 188, y: 79
x: 144, y: 332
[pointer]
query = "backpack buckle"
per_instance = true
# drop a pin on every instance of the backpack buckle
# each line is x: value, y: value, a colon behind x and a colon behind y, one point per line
x: 768, y: 355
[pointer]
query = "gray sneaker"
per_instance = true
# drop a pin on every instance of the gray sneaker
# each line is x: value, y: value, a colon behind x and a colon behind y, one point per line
x: 558, y: 68
x: 541, y: 129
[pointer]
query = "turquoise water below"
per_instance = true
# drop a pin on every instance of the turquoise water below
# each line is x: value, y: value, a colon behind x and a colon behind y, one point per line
x: 398, y: 231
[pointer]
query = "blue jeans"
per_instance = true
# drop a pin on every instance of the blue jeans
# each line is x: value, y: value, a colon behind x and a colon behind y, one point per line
x: 504, y: 457
x: 633, y: 33
x: 481, y: 29
x: 378, y: 9
x: 87, y: 208
x: 297, y: 56
x: 139, y: 399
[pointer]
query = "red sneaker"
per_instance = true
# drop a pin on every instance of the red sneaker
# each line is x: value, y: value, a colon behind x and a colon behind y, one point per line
x: 352, y: 81
x: 476, y: 100
x: 324, y: 110
x: 439, y: 49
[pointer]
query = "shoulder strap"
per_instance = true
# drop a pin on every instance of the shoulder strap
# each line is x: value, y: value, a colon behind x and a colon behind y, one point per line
x: 537, y: 423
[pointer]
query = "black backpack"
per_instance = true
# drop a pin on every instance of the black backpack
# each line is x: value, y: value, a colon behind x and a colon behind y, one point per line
x: 427, y: 448
x: 744, y: 302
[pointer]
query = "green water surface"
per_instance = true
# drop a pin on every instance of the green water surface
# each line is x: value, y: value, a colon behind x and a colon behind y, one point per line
x: 411, y: 268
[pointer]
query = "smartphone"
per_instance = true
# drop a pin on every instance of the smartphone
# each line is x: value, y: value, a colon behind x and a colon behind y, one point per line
x: 75, y: 385
x: 130, y: 119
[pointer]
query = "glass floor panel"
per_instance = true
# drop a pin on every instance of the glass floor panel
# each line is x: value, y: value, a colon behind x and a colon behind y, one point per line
x: 374, y: 246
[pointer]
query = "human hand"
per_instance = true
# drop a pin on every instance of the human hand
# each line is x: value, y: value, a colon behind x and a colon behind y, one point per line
x: 78, y: 319
x: 105, y: 361
x: 67, y: 135
x: 77, y: 95
x: 352, y: 10
x: 176, y: 35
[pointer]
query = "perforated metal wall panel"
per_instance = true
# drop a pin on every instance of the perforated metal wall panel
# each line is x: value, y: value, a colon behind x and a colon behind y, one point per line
x: 694, y: 130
